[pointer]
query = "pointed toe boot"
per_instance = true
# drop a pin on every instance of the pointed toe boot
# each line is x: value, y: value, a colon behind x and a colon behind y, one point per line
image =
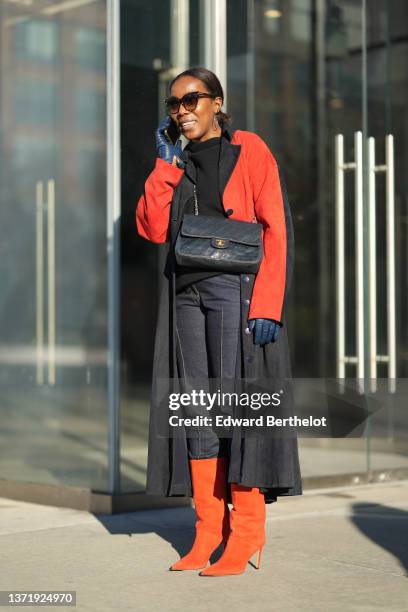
x: 247, y: 523
x: 210, y: 501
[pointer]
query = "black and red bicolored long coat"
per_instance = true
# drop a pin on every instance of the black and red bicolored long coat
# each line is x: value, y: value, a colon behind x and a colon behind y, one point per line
x: 253, y: 186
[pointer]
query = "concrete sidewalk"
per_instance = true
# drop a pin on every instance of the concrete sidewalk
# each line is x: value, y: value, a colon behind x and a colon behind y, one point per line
x: 328, y: 550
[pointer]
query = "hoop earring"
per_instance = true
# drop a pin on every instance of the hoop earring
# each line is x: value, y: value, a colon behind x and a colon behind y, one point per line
x: 215, y: 123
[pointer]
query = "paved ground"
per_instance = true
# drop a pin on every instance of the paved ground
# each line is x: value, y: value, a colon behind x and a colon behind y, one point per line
x: 327, y: 551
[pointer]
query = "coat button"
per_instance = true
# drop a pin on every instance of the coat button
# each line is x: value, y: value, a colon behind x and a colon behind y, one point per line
x: 246, y: 279
x: 250, y: 358
x: 246, y: 302
x: 247, y: 330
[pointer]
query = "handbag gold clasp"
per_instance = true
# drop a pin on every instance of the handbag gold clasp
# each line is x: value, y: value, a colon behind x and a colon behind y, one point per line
x: 219, y: 243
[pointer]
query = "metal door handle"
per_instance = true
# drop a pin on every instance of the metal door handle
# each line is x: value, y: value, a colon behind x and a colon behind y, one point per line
x: 388, y: 168
x: 51, y: 280
x: 340, y: 168
x: 49, y: 207
x: 39, y: 282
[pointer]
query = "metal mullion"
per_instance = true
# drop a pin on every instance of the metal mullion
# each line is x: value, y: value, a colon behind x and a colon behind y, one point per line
x: 113, y: 241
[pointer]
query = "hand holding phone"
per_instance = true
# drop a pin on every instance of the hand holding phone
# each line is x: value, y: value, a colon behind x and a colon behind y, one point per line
x: 172, y: 132
x: 168, y: 146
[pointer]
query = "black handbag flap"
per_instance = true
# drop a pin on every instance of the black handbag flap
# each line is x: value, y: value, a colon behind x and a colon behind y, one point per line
x: 203, y: 226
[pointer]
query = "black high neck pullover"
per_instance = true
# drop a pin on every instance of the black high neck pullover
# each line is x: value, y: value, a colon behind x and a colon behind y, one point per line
x: 205, y: 156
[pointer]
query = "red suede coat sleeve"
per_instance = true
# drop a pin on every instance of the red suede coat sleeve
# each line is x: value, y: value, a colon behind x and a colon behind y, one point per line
x: 269, y: 286
x: 153, y: 207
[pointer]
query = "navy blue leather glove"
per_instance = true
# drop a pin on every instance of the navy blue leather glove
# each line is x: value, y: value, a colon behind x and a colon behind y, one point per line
x: 165, y: 149
x: 266, y: 330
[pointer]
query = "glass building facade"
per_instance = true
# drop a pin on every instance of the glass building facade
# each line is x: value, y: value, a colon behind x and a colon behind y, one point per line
x: 81, y: 94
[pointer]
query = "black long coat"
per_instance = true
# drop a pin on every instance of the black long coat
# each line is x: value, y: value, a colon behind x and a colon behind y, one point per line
x: 267, y: 462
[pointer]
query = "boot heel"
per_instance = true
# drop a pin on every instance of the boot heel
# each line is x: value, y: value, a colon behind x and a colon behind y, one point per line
x: 258, y: 564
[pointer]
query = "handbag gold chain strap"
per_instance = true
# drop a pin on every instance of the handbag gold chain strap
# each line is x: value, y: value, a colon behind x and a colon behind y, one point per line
x: 195, y: 201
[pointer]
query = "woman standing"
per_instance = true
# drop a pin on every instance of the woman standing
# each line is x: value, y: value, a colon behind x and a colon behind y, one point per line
x: 215, y: 325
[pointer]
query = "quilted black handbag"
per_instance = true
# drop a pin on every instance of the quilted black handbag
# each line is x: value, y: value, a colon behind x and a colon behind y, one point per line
x: 221, y: 244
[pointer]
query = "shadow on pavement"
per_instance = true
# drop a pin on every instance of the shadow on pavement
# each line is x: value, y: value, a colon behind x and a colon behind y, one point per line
x: 385, y: 526
x: 174, y: 525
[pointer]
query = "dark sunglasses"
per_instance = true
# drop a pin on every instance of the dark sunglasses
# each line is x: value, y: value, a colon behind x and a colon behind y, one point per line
x: 189, y: 101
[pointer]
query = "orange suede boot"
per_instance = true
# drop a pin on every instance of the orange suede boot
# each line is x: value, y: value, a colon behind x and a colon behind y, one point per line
x: 210, y: 500
x: 247, y: 522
